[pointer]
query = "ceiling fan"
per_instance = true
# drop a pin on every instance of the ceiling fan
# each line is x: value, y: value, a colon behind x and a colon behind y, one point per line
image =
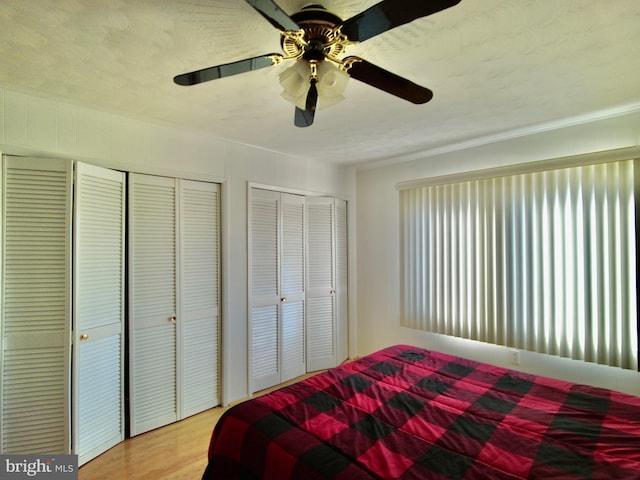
x: 316, y: 39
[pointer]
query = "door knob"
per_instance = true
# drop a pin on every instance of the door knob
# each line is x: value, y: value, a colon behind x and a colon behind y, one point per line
x: 172, y: 319
x: 84, y: 336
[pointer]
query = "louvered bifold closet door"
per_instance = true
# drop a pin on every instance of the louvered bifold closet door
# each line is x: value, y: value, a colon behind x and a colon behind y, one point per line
x: 264, y: 295
x: 342, y: 280
x: 152, y: 302
x: 98, y: 284
x: 320, y: 287
x: 198, y: 301
x: 36, y: 306
x: 292, y: 294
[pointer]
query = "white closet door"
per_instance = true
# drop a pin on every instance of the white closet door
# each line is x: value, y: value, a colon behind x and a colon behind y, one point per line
x: 342, y: 280
x: 198, y: 300
x: 292, y: 292
x: 264, y: 289
x: 320, y: 288
x: 98, y: 310
x: 36, y: 313
x: 152, y: 302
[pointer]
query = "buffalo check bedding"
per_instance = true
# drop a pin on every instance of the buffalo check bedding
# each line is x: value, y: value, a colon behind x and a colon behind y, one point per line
x: 410, y: 413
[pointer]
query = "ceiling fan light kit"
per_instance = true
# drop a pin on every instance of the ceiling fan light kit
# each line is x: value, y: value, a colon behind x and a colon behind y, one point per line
x: 316, y: 40
x: 331, y: 83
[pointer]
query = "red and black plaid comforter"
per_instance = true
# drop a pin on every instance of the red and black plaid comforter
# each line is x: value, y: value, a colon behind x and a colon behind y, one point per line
x: 410, y: 413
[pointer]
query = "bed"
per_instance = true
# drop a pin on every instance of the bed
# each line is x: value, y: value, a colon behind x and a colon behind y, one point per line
x: 410, y: 413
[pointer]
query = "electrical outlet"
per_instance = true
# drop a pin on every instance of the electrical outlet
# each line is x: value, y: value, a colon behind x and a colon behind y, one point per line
x: 514, y: 356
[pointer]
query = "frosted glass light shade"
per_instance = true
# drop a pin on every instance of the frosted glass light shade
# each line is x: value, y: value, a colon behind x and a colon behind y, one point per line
x: 331, y: 83
x: 295, y: 83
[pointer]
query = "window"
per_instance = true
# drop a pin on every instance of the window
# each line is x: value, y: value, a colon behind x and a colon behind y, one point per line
x: 543, y: 261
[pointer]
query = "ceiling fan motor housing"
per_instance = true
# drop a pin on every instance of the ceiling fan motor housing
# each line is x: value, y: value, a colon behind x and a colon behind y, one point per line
x: 320, y: 37
x: 316, y: 13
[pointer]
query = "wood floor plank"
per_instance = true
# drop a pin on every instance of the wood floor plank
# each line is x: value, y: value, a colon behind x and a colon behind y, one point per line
x: 175, y: 452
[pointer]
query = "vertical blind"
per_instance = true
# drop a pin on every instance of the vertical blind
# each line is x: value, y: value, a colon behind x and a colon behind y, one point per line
x: 542, y: 261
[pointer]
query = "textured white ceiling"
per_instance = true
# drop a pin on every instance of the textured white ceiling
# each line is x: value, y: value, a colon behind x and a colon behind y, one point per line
x: 494, y: 65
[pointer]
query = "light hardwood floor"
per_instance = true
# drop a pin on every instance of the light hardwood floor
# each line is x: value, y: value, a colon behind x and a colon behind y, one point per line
x: 177, y: 451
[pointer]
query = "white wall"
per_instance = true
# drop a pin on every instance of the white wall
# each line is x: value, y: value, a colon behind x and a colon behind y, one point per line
x: 46, y: 127
x: 377, y: 232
